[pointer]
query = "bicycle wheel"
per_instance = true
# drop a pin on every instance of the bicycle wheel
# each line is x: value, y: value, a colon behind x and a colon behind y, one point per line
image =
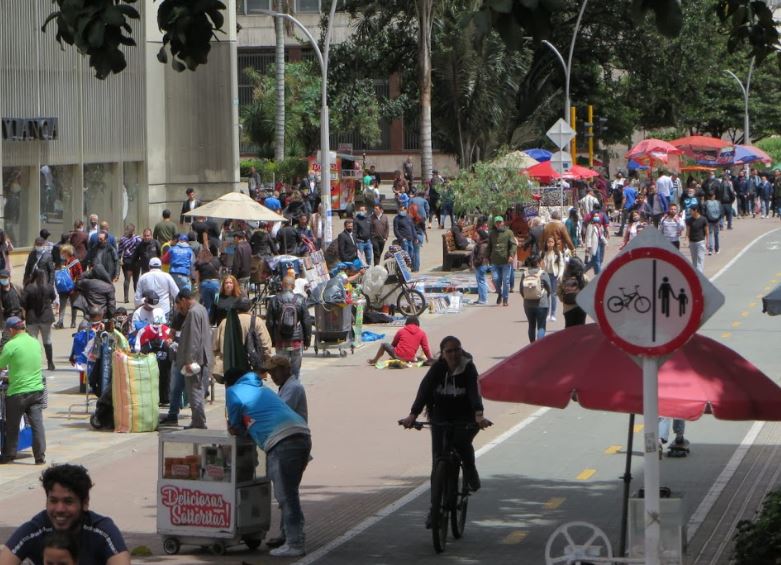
x: 439, y: 506
x: 411, y: 302
x: 459, y: 505
x: 615, y: 304
x: 642, y: 304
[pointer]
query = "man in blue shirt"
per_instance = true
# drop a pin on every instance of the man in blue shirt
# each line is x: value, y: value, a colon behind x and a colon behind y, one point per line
x: 273, y: 203
x: 284, y: 436
x: 67, y: 510
x: 630, y: 195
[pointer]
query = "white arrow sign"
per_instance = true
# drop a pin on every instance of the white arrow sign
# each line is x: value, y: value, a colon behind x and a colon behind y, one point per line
x: 561, y: 162
x: 561, y: 134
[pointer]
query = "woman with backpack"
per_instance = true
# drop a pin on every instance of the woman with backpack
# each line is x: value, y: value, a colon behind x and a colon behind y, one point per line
x: 131, y: 267
x: 572, y: 282
x: 553, y: 262
x: 536, y: 290
x: 38, y: 301
x: 65, y: 283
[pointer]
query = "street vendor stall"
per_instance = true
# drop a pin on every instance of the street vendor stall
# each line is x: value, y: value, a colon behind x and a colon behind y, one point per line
x: 212, y: 491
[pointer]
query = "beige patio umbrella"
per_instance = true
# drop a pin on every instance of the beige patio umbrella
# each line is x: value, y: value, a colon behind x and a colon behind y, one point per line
x: 236, y: 206
x: 515, y: 160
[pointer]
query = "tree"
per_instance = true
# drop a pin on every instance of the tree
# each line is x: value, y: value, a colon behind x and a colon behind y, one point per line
x: 279, y: 61
x: 424, y: 10
x: 354, y: 109
x: 97, y: 28
x: 489, y: 189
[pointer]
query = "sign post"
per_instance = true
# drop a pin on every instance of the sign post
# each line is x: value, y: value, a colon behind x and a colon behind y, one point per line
x: 649, y: 301
x: 561, y: 134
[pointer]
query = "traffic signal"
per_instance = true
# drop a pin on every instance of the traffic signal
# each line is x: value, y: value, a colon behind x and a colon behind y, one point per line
x: 584, y: 129
x: 600, y: 125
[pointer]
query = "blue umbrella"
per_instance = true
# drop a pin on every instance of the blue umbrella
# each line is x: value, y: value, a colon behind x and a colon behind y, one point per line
x: 538, y: 154
x: 635, y: 166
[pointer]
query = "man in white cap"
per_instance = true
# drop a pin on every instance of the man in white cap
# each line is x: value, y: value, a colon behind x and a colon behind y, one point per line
x: 160, y: 283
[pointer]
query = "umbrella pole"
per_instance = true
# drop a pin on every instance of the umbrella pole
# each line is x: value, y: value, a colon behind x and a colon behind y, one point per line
x: 651, y: 459
x: 627, y: 477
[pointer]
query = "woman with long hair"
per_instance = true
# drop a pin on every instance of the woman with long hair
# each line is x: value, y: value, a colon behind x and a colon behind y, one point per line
x: 230, y: 293
x: 70, y: 262
x: 554, y: 262
x: 38, y: 301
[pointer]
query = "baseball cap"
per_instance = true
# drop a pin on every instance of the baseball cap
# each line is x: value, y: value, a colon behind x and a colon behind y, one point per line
x: 151, y: 297
x: 275, y: 362
x: 14, y: 322
x: 498, y: 219
x: 155, y: 262
x: 182, y: 237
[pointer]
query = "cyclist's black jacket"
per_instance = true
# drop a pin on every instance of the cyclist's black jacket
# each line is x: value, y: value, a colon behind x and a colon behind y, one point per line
x: 449, y: 397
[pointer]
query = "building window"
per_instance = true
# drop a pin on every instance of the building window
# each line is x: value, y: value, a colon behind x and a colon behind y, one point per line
x: 308, y: 6
x: 255, y: 6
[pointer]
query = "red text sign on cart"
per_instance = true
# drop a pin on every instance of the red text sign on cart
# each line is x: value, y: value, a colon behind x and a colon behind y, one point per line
x: 650, y: 300
x: 196, y: 508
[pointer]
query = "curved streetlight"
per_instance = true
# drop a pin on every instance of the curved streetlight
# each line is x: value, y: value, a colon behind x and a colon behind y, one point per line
x: 325, y: 149
x: 746, y: 90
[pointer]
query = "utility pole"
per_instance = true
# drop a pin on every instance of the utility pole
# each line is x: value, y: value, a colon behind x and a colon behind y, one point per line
x: 590, y: 135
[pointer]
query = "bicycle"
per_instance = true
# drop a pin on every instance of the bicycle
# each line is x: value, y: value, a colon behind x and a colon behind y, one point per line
x: 617, y: 303
x: 449, y: 489
x: 410, y: 302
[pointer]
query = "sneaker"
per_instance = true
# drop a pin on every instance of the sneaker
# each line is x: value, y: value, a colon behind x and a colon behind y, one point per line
x: 5, y: 459
x: 498, y: 299
x: 58, y: 326
x: 274, y: 543
x: 41, y: 461
x: 553, y: 318
x: 171, y: 420
x: 472, y: 479
x: 287, y: 551
x: 482, y: 302
x: 191, y: 427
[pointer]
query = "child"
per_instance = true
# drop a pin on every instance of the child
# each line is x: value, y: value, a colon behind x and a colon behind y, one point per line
x: 405, y: 343
x: 60, y: 548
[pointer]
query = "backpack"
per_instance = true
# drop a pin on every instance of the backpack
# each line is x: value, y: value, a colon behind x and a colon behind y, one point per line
x: 288, y: 319
x: 713, y: 210
x: 531, y: 285
x: 569, y: 290
x: 253, y: 346
x: 63, y: 281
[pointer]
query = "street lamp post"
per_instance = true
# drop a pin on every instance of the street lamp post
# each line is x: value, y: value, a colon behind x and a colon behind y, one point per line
x: 746, y: 90
x: 325, y: 149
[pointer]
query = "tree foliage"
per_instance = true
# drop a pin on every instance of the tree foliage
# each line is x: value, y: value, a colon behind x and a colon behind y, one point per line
x: 98, y: 28
x: 488, y: 189
x: 352, y: 109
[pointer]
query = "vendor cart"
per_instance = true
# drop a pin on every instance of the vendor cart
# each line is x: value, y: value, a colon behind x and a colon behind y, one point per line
x: 212, y: 491
x: 334, y: 328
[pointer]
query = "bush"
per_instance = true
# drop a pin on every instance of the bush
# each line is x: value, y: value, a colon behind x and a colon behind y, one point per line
x: 771, y: 146
x: 758, y: 542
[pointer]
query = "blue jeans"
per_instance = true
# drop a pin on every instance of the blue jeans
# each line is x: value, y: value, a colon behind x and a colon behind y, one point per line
x: 482, y: 286
x: 664, y: 428
x: 209, y: 289
x: 177, y: 389
x: 713, y: 237
x: 286, y: 463
x: 182, y: 281
x: 728, y: 214
x: 409, y: 247
x: 368, y: 250
x: 501, y: 274
x: 537, y: 316
x: 764, y: 206
x: 595, y: 262
x: 416, y: 245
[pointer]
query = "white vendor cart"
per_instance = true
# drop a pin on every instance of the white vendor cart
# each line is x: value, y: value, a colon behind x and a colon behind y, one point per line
x: 212, y: 491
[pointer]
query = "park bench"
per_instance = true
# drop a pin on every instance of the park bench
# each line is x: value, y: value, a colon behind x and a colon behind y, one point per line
x: 451, y: 256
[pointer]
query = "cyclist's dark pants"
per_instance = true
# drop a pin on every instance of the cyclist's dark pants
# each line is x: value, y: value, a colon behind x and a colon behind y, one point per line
x: 462, y: 441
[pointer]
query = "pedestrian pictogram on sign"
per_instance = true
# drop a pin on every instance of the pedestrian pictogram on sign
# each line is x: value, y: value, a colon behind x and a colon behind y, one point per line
x: 649, y: 301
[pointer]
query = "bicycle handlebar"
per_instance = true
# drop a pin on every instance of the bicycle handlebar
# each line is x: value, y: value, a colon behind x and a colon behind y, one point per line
x: 465, y: 425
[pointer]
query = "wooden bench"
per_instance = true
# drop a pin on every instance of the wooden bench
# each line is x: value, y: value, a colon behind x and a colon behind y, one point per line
x: 451, y: 256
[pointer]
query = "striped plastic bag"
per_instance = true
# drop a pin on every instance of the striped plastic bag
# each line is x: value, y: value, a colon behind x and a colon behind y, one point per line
x: 134, y: 387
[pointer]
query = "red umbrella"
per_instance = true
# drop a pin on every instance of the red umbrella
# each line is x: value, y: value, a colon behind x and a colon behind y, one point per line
x: 699, y: 143
x: 580, y: 172
x: 652, y: 149
x: 545, y: 171
x: 702, y: 376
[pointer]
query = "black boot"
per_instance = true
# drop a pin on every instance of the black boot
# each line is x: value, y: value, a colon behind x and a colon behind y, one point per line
x: 47, y: 347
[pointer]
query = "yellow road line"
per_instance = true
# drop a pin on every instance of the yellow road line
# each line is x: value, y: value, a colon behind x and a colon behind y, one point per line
x: 554, y: 503
x: 737, y: 324
x: 752, y: 304
x: 586, y: 474
x: 767, y: 289
x: 726, y: 334
x: 639, y: 428
x: 613, y: 449
x: 744, y: 314
x: 514, y: 537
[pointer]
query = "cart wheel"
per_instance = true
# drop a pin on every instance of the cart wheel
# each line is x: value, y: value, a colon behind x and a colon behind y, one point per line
x: 95, y: 422
x: 252, y: 543
x: 342, y: 353
x: 315, y: 350
x: 171, y: 546
x: 217, y: 548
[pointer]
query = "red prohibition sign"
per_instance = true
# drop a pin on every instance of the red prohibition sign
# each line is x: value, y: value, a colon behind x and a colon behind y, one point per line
x: 672, y: 260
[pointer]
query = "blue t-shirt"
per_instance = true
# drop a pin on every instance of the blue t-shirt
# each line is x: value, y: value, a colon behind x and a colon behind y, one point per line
x: 630, y: 194
x: 259, y: 410
x: 272, y: 203
x: 99, y: 541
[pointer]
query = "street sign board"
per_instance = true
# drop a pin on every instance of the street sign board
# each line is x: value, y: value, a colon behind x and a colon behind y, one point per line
x: 650, y: 300
x: 561, y: 161
x: 561, y: 133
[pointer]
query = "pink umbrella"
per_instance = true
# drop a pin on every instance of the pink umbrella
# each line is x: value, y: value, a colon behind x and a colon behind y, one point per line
x: 699, y: 143
x: 703, y: 376
x: 652, y: 149
x: 545, y: 171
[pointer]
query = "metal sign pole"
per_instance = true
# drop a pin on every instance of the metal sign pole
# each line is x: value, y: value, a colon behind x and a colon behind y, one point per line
x: 651, y: 463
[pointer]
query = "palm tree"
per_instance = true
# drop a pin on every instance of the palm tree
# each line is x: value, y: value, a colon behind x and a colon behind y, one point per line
x: 424, y: 9
x: 279, y: 60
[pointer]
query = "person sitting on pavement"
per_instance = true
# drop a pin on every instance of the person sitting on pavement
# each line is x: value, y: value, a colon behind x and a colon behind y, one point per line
x: 25, y: 394
x: 405, y: 344
x: 285, y: 437
x: 161, y: 283
x: 67, y: 510
x: 451, y: 394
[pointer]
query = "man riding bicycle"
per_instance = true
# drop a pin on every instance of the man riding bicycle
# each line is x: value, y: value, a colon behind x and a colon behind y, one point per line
x: 450, y: 394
